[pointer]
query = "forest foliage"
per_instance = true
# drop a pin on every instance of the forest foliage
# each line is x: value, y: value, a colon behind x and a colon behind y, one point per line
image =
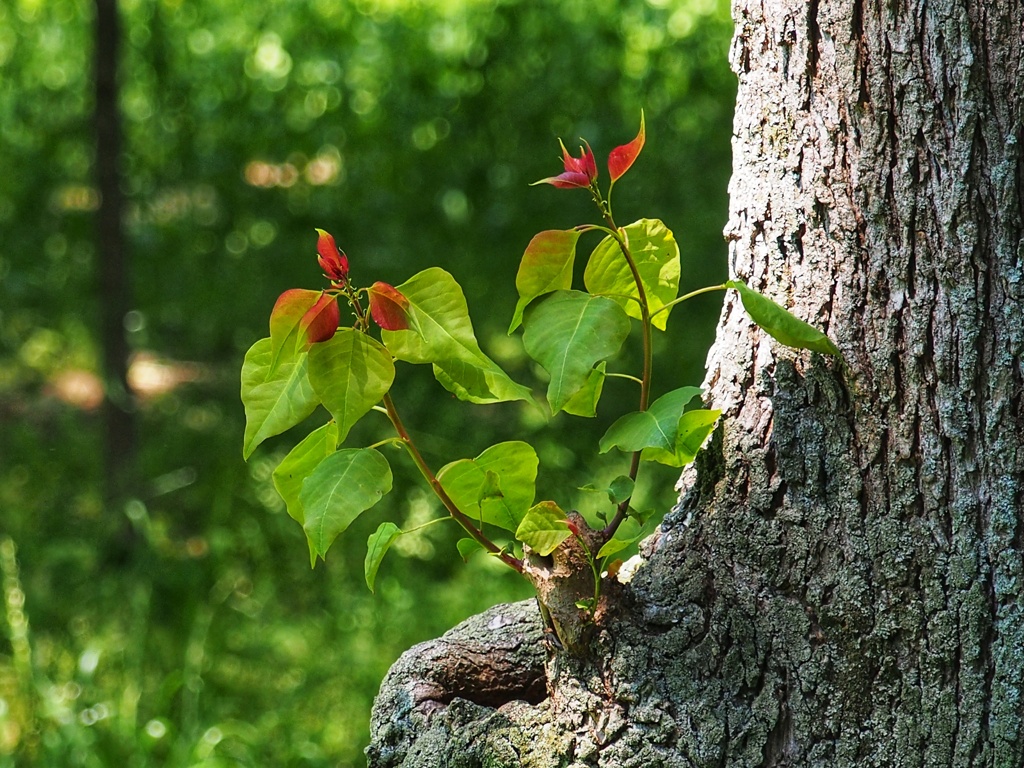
x: 187, y: 628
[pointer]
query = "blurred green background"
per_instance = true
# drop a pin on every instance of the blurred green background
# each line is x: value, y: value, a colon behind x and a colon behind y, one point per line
x: 181, y: 625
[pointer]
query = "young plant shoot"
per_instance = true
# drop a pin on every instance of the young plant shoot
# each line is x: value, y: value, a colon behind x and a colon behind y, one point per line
x: 313, y: 358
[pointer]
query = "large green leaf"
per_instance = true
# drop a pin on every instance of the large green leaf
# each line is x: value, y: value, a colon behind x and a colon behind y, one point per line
x: 274, y: 402
x: 342, y: 487
x: 780, y: 324
x: 300, y: 463
x: 496, y: 487
x: 376, y: 547
x: 693, y: 431
x: 350, y: 373
x: 656, y: 255
x: 543, y: 528
x: 443, y: 335
x: 546, y: 267
x: 654, y: 428
x: 568, y: 333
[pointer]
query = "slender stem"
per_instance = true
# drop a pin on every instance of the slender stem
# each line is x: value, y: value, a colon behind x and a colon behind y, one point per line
x: 645, y: 383
x: 427, y: 524
x: 385, y: 441
x: 689, y: 296
x: 428, y: 474
x: 623, y: 376
x: 596, y: 570
x: 439, y: 491
x: 645, y: 314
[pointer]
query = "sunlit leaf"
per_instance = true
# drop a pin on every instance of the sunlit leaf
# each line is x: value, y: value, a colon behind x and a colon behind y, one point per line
x: 656, y: 255
x: 320, y: 321
x: 350, y: 373
x: 274, y: 404
x: 285, y: 320
x: 695, y: 427
x: 780, y: 324
x: 376, y: 547
x: 654, y: 428
x: 546, y: 267
x: 332, y: 261
x: 445, y: 338
x: 543, y: 528
x: 568, y: 333
x: 300, y: 463
x: 342, y: 487
x: 473, y: 384
x: 388, y: 307
x: 621, y: 158
x: 497, y: 487
x: 584, y: 402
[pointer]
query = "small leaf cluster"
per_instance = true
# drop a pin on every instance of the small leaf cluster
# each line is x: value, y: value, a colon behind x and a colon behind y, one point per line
x: 575, y: 334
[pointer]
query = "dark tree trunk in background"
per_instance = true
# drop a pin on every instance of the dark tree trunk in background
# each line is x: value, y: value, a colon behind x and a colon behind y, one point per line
x: 842, y: 583
x: 113, y: 281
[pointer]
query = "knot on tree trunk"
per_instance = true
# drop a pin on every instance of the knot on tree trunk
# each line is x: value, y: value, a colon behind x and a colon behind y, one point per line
x: 485, y: 663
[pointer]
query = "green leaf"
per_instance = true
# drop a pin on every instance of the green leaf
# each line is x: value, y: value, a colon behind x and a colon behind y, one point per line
x: 341, y: 488
x: 376, y: 547
x: 497, y: 487
x: 584, y: 402
x: 444, y: 336
x: 568, y: 334
x: 628, y: 533
x: 273, y: 402
x: 350, y: 373
x: 467, y: 547
x: 543, y: 528
x: 656, y: 255
x: 621, y: 489
x: 656, y: 427
x: 612, y: 546
x: 695, y: 427
x: 546, y: 267
x: 474, y: 384
x: 780, y: 324
x: 300, y: 463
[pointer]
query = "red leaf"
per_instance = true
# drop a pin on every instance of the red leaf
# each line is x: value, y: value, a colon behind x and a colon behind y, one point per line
x: 388, y: 307
x: 579, y: 171
x: 621, y: 158
x: 333, y: 262
x: 320, y: 321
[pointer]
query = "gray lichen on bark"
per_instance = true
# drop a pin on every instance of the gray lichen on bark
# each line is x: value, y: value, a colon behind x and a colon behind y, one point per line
x: 841, y: 583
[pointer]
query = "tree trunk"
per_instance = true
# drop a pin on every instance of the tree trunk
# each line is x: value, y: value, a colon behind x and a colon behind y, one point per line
x: 841, y: 583
x: 120, y: 439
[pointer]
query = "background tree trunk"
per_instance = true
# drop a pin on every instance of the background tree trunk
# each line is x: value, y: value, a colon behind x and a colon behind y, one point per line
x: 841, y: 584
x: 114, y: 290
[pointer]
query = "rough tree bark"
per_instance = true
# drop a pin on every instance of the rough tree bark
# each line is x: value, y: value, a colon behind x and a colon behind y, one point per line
x: 842, y: 582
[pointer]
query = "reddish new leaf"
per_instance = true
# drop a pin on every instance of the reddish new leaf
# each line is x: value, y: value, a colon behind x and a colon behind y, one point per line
x: 286, y: 319
x: 388, y: 307
x: 579, y: 171
x: 333, y: 262
x: 621, y: 158
x: 320, y: 321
